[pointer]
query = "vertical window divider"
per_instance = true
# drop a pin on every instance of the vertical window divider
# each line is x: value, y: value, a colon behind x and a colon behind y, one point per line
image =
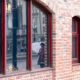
x: 50, y: 38
x: 29, y: 60
x: 78, y: 41
x: 3, y: 36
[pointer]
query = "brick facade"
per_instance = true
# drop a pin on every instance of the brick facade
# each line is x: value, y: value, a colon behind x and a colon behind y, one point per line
x: 63, y: 69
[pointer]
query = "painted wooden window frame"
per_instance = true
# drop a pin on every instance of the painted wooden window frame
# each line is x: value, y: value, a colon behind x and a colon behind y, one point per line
x: 76, y: 34
x: 44, y: 8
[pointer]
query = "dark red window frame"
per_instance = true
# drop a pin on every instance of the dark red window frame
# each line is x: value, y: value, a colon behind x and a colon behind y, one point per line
x: 44, y: 8
x: 3, y: 36
x: 76, y: 34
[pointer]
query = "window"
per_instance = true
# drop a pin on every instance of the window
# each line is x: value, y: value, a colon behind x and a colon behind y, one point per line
x: 75, y: 39
x: 28, y: 31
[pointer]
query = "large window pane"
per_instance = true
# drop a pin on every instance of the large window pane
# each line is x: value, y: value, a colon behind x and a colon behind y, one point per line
x: 39, y: 38
x: 16, y: 35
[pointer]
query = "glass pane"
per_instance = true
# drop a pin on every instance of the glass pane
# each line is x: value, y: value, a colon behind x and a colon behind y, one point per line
x: 39, y: 38
x: 16, y: 35
x: 0, y: 36
x: 74, y: 26
x: 74, y: 47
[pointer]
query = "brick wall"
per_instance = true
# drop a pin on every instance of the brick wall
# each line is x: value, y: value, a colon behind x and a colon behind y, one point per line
x: 62, y: 36
x: 37, y: 75
x: 63, y: 69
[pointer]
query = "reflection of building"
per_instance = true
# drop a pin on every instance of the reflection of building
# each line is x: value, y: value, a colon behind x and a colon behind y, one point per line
x: 21, y: 28
x: 21, y: 41
x: 39, y: 24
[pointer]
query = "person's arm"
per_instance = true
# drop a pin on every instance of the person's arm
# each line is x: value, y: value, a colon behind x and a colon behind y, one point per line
x: 39, y: 51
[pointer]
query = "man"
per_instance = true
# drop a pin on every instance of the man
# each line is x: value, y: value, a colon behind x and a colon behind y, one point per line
x: 41, y: 55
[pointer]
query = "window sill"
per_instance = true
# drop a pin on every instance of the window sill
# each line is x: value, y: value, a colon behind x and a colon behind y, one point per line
x: 14, y: 73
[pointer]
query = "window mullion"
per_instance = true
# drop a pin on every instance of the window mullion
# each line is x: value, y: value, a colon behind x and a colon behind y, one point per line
x: 29, y: 36
x: 50, y: 38
x: 3, y: 36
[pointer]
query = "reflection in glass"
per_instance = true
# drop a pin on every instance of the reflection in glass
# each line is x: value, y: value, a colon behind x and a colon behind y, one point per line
x: 74, y: 47
x: 39, y: 38
x: 16, y: 35
x: 74, y: 26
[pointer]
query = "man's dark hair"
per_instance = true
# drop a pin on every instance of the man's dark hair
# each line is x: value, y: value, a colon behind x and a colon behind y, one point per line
x: 42, y: 44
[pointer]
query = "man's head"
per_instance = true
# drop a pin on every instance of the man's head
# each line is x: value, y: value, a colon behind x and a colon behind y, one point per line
x: 42, y: 44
